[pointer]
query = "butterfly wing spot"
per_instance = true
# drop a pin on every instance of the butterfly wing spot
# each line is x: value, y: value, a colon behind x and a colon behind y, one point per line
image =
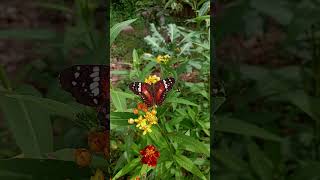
x: 95, y: 69
x: 95, y: 92
x: 139, y: 87
x: 76, y: 75
x: 94, y: 85
x: 86, y: 82
x: 165, y: 84
x: 96, y: 79
x: 95, y: 74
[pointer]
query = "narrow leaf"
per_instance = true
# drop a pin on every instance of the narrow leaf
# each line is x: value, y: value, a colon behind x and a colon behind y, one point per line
x: 188, y: 164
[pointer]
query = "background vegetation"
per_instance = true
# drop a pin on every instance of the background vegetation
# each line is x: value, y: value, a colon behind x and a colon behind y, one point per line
x: 267, y: 85
x: 268, y: 69
x: 182, y: 134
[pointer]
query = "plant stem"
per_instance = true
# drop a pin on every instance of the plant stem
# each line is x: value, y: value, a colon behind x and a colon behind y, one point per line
x: 4, y: 79
x: 166, y: 138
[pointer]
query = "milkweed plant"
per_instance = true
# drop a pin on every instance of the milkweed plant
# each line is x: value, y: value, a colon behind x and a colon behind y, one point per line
x: 170, y: 140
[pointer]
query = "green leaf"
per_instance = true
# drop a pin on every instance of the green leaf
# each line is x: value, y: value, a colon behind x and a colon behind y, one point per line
x: 30, y: 124
x: 236, y: 126
x: 27, y: 34
x: 121, y: 118
x: 204, y: 9
x: 306, y: 103
x: 135, y: 59
x: 147, y: 70
x: 181, y: 101
x: 4, y: 78
x: 230, y: 160
x: 189, y: 143
x: 54, y: 6
x: 118, y: 100
x: 217, y: 102
x: 117, y: 28
x: 187, y: 164
x: 276, y: 9
x: 309, y: 170
x: 66, y: 154
x: 44, y: 168
x: 262, y: 166
x: 117, y: 72
x: 157, y: 137
x: 173, y: 32
x: 185, y: 48
x: 53, y: 107
x: 127, y: 168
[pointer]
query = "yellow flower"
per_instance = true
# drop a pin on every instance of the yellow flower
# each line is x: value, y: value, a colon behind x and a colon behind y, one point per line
x: 159, y: 58
x: 98, y: 175
x: 146, y: 119
x: 151, y: 118
x: 146, y: 129
x: 154, y: 112
x: 163, y: 59
x: 152, y: 79
x: 140, y: 122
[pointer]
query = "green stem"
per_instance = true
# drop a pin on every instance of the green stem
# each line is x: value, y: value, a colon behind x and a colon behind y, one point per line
x: 166, y: 138
x: 4, y: 79
x: 87, y: 15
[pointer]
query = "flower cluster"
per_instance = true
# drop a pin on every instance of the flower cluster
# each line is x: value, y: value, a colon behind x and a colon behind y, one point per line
x: 150, y: 155
x: 98, y: 142
x: 98, y: 175
x: 152, y: 79
x: 163, y: 59
x: 146, y: 120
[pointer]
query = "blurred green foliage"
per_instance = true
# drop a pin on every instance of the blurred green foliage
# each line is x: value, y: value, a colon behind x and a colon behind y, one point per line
x: 268, y: 127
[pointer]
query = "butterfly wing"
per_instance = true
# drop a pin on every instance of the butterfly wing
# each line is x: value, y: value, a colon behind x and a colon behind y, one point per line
x: 88, y: 84
x: 104, y: 116
x: 144, y: 90
x: 161, y: 88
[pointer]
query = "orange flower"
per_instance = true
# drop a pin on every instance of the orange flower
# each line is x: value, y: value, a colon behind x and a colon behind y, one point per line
x: 97, y: 141
x: 142, y: 106
x: 150, y: 155
x: 82, y: 157
x: 135, y: 111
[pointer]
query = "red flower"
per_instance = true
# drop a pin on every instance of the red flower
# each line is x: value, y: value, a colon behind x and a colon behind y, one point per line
x: 150, y: 155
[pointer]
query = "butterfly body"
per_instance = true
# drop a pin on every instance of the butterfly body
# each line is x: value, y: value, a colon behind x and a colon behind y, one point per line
x: 153, y: 94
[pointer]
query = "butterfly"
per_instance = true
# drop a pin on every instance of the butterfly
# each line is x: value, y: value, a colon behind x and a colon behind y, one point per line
x: 89, y: 85
x: 152, y: 94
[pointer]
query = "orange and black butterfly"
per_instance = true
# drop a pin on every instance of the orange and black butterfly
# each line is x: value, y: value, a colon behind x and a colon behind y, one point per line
x: 153, y: 94
x: 89, y: 85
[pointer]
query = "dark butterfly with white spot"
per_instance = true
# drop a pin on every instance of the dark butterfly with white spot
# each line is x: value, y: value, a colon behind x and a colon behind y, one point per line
x: 153, y: 94
x: 89, y: 85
